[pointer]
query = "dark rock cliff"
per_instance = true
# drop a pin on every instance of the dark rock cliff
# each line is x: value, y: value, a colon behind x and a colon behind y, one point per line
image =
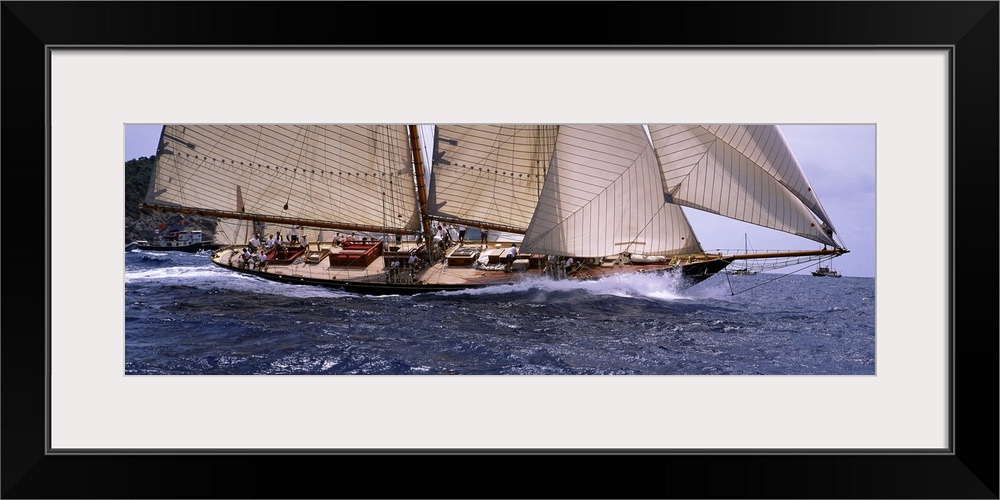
x: 140, y: 224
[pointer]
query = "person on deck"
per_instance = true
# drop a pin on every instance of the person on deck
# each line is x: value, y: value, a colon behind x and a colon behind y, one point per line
x: 262, y: 261
x: 484, y: 235
x: 394, y: 269
x: 461, y: 234
x: 415, y: 263
x: 246, y: 258
x: 569, y: 265
x: 511, y: 255
x: 294, y: 235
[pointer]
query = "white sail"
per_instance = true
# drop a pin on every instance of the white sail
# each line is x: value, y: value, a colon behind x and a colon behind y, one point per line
x: 489, y: 174
x: 745, y: 172
x: 352, y: 175
x: 233, y: 231
x: 603, y: 196
x: 239, y: 232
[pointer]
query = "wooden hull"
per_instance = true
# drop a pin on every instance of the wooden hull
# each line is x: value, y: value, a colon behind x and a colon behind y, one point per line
x: 443, y: 276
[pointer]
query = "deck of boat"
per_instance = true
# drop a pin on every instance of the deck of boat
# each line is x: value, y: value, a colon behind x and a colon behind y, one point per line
x: 444, y: 272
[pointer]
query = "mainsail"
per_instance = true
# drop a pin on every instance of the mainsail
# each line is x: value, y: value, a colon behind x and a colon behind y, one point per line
x: 744, y: 172
x: 603, y: 196
x: 337, y: 176
x: 489, y: 175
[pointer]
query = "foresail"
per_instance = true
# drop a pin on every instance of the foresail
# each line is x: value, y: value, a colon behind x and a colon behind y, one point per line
x: 603, y: 196
x: 744, y: 172
x: 489, y: 175
x: 358, y: 176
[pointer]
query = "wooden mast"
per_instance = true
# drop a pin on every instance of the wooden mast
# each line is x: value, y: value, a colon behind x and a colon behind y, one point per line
x: 418, y: 171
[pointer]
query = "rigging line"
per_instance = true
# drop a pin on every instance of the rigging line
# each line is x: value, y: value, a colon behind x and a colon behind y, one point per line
x: 249, y: 171
x: 395, y: 196
x: 536, y: 138
x: 256, y: 153
x: 464, y: 176
x: 779, y: 276
x: 393, y: 138
x: 290, y: 185
x: 299, y: 161
x: 389, y: 143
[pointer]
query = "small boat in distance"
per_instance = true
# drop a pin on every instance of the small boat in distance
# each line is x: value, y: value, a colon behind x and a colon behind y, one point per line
x: 177, y: 241
x: 745, y: 270
x: 826, y: 272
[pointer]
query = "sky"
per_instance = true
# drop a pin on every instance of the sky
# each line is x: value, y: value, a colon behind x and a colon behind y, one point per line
x: 838, y: 160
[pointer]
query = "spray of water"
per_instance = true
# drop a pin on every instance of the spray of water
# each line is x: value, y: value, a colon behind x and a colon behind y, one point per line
x: 219, y: 278
x: 646, y: 286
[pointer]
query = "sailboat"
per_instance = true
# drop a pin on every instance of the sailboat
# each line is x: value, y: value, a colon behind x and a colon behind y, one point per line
x: 745, y: 270
x: 179, y: 240
x: 378, y: 206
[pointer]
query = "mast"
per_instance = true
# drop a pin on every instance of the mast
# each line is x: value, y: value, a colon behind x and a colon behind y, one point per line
x: 418, y: 171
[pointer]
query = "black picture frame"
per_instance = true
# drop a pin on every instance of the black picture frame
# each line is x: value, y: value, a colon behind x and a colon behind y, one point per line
x: 970, y: 470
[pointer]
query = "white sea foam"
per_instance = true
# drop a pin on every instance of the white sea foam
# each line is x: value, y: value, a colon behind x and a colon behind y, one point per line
x: 180, y: 273
x: 647, y: 286
x: 221, y: 278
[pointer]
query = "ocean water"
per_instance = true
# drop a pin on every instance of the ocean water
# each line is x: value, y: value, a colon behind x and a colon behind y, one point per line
x: 187, y: 316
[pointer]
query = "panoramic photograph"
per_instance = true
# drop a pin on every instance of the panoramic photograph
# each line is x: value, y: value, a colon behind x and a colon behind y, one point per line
x: 499, y: 249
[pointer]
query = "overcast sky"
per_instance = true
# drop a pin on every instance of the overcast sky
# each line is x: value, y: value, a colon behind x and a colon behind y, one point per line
x: 838, y: 160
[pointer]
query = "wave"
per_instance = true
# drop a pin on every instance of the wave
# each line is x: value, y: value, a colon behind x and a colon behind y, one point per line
x: 638, y: 286
x: 222, y: 279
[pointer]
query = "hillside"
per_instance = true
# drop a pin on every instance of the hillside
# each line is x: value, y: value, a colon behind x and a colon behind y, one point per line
x: 139, y: 223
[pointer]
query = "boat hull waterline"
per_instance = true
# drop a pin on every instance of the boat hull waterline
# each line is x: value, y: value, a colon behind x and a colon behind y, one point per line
x: 375, y: 280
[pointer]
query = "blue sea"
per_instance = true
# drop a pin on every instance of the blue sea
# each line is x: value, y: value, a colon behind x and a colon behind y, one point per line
x: 187, y: 316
